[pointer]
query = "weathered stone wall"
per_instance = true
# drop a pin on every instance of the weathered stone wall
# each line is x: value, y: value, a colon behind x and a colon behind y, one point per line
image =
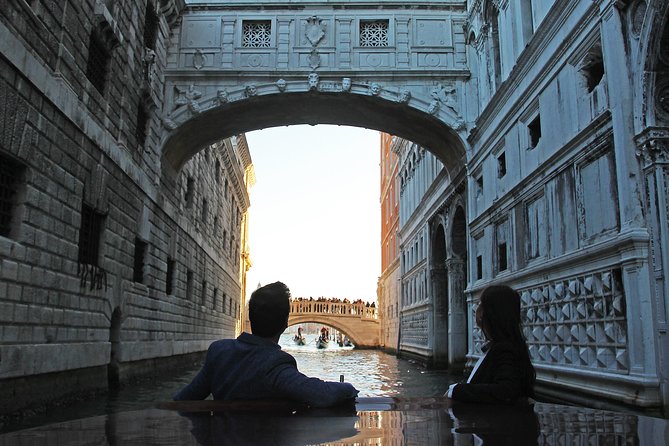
x: 72, y: 148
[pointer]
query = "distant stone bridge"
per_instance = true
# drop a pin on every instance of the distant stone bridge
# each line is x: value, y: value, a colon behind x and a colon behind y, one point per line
x: 356, y: 320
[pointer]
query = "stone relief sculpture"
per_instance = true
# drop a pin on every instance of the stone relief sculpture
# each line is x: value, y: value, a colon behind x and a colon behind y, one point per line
x: 222, y: 96
x: 281, y: 85
x: 314, y: 59
x: 315, y: 30
x: 169, y: 124
x: 346, y: 84
x: 375, y: 89
x: 184, y: 96
x: 313, y: 81
x: 404, y: 96
x: 250, y: 90
x: 149, y: 61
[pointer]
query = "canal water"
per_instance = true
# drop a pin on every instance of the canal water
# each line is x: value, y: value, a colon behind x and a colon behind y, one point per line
x: 372, y: 372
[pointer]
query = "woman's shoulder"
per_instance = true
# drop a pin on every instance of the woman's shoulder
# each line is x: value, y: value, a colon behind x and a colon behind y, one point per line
x: 504, y: 348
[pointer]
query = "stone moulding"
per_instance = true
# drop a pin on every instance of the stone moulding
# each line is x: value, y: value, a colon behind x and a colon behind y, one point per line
x: 442, y: 106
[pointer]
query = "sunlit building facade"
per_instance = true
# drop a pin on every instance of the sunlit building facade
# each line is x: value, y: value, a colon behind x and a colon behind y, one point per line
x: 388, y: 284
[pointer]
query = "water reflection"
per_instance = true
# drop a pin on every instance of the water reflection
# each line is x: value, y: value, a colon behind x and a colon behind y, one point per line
x: 417, y: 421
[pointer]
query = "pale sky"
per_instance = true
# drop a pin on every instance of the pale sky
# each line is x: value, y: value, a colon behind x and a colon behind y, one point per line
x: 315, y: 217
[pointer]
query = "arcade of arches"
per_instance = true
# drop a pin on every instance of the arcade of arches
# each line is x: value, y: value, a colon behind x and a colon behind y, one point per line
x: 530, y: 148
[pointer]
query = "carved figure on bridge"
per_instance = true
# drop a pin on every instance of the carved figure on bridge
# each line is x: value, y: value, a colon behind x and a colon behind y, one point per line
x: 346, y: 84
x: 404, y: 96
x: 375, y: 89
x: 281, y: 85
x: 250, y: 90
x: 253, y: 366
x: 313, y: 81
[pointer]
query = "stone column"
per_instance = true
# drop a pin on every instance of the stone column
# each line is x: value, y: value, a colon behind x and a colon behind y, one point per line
x: 457, y: 312
x: 653, y: 152
x: 633, y: 225
x: 440, y: 341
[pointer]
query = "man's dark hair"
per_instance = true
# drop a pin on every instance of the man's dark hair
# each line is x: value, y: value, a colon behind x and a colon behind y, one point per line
x: 268, y: 309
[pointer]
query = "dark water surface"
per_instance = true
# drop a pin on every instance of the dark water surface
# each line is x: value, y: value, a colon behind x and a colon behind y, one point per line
x: 372, y: 372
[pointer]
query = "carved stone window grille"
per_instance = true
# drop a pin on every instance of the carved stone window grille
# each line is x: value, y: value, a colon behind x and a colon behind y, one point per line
x: 374, y: 33
x: 150, y: 27
x: 97, y: 66
x: 140, y: 260
x: 592, y: 68
x: 11, y: 174
x: 256, y: 33
x: 169, y: 278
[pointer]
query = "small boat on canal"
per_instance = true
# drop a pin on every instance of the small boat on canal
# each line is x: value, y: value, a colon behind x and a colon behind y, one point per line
x: 322, y: 342
x: 299, y: 338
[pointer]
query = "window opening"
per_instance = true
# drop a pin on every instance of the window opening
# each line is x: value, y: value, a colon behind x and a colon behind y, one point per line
x: 98, y: 62
x: 90, y: 231
x: 214, y: 304
x: 534, y: 129
x: 140, y: 131
x: 190, y: 185
x: 204, y: 292
x: 501, y: 257
x: 501, y: 165
x: 592, y: 68
x: 256, y: 33
x: 169, y: 278
x: 150, y: 27
x: 374, y: 33
x: 11, y: 173
x: 479, y: 267
x: 140, y: 259
x: 189, y: 284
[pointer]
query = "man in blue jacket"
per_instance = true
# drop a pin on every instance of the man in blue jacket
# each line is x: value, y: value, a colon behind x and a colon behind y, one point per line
x: 253, y: 366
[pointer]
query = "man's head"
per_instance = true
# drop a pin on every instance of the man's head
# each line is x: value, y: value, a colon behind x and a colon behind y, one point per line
x: 268, y: 310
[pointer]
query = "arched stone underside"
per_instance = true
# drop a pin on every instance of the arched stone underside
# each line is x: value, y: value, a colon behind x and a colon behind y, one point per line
x: 231, y: 69
x: 363, y: 333
x: 309, y: 107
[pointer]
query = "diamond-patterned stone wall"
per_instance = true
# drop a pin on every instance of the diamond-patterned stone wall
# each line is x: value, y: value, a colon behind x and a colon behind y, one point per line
x: 579, y: 321
x: 414, y: 328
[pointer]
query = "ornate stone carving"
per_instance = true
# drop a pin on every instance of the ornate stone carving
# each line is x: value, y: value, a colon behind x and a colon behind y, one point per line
x: 250, y: 91
x: 315, y: 30
x: 403, y: 96
x: 653, y: 146
x: 637, y: 14
x: 579, y: 321
x: 346, y: 84
x: 169, y: 124
x: 375, y: 89
x: 222, y: 96
x: 199, y: 60
x: 312, y: 80
x: 281, y: 85
x: 149, y: 61
x: 187, y: 96
x: 445, y: 95
x: 314, y: 59
x: 434, y: 107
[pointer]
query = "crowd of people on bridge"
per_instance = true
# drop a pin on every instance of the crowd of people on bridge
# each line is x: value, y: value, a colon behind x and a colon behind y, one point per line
x: 334, y: 300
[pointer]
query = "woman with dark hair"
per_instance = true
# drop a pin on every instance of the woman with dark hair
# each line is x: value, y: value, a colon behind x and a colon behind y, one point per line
x: 504, y: 374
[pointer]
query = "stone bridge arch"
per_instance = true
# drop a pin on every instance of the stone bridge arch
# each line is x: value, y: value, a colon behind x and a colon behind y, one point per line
x: 362, y: 333
x: 313, y: 65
